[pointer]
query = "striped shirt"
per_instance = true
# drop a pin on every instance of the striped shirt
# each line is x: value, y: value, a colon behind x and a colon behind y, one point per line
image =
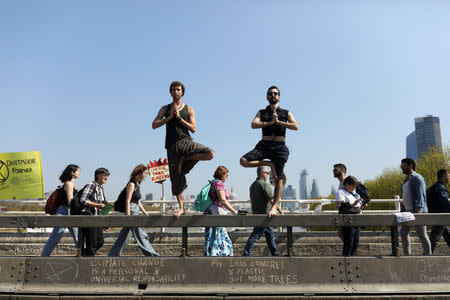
x: 94, y: 193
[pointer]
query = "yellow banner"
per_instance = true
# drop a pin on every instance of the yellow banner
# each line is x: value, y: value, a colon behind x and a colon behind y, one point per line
x: 21, y: 175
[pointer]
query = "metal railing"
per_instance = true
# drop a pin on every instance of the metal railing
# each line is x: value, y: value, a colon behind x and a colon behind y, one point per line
x: 304, y: 205
x: 186, y: 221
x: 300, y: 202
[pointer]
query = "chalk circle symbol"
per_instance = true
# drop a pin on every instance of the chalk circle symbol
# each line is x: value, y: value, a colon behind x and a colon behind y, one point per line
x: 62, y: 272
x: 4, y: 172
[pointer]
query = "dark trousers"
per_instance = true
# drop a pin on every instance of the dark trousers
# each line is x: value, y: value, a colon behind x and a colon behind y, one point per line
x: 351, y: 240
x: 256, y: 235
x: 436, y: 233
x: 91, y: 240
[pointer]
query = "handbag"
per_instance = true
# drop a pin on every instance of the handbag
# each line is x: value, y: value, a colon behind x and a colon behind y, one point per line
x: 347, y: 209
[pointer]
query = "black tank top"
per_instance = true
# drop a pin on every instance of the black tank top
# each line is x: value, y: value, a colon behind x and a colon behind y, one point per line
x: 174, y: 130
x: 273, y: 130
x: 66, y: 200
x: 136, y: 196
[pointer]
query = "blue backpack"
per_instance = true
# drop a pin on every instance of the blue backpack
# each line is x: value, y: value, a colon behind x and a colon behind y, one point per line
x: 203, y: 201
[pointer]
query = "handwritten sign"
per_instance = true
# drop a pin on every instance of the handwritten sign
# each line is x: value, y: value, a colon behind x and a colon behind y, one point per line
x: 21, y: 175
x: 159, y: 173
x: 403, y: 217
x: 158, y: 170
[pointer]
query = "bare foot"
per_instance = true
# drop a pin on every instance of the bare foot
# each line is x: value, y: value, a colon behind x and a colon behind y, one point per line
x: 180, y: 165
x: 179, y: 213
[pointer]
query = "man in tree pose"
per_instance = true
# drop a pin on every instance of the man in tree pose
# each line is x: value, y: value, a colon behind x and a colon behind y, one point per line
x: 273, y: 121
x: 182, y: 152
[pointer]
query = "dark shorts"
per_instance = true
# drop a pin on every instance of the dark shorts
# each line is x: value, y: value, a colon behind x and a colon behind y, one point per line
x: 277, y: 152
x: 182, y: 148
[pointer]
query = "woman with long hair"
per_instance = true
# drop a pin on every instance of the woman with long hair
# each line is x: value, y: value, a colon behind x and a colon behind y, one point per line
x: 68, y: 176
x: 132, y: 206
x: 217, y: 241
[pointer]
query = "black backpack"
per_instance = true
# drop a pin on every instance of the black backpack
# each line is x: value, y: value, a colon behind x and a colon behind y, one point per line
x: 75, y: 205
x: 119, y: 204
x: 429, y: 199
x: 363, y: 192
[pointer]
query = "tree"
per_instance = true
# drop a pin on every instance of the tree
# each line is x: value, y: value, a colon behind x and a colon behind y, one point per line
x: 431, y: 161
x: 386, y: 185
x: 389, y: 182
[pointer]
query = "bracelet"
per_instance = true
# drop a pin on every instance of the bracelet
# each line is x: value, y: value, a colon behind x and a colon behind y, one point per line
x: 178, y: 118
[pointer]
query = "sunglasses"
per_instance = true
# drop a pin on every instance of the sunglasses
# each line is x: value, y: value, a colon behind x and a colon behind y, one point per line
x: 273, y: 93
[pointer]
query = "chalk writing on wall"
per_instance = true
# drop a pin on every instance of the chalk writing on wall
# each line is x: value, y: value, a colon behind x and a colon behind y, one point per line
x: 256, y: 271
x: 125, y: 271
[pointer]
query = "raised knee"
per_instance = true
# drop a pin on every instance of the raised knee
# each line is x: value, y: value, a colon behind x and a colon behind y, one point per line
x: 211, y: 155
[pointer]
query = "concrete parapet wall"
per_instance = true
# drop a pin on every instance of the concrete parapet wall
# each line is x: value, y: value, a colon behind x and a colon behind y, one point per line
x: 225, y: 275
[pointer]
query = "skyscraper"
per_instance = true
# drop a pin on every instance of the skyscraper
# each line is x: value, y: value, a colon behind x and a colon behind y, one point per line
x: 315, y: 189
x: 303, y: 192
x: 428, y: 133
x: 333, y: 190
x: 411, y: 146
x: 288, y: 193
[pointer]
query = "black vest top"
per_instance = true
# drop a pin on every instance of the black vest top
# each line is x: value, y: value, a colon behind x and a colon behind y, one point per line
x: 66, y: 201
x: 273, y: 130
x: 136, y: 196
x: 174, y: 130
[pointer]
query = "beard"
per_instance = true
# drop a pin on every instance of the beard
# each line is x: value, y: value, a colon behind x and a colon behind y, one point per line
x: 273, y: 101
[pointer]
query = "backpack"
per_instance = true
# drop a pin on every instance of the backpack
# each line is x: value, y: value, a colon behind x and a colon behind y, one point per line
x: 203, y: 201
x: 56, y: 199
x: 430, y: 204
x: 119, y: 204
x: 362, y: 191
x: 75, y: 204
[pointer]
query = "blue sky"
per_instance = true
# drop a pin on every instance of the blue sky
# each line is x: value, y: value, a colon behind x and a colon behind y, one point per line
x: 81, y: 81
